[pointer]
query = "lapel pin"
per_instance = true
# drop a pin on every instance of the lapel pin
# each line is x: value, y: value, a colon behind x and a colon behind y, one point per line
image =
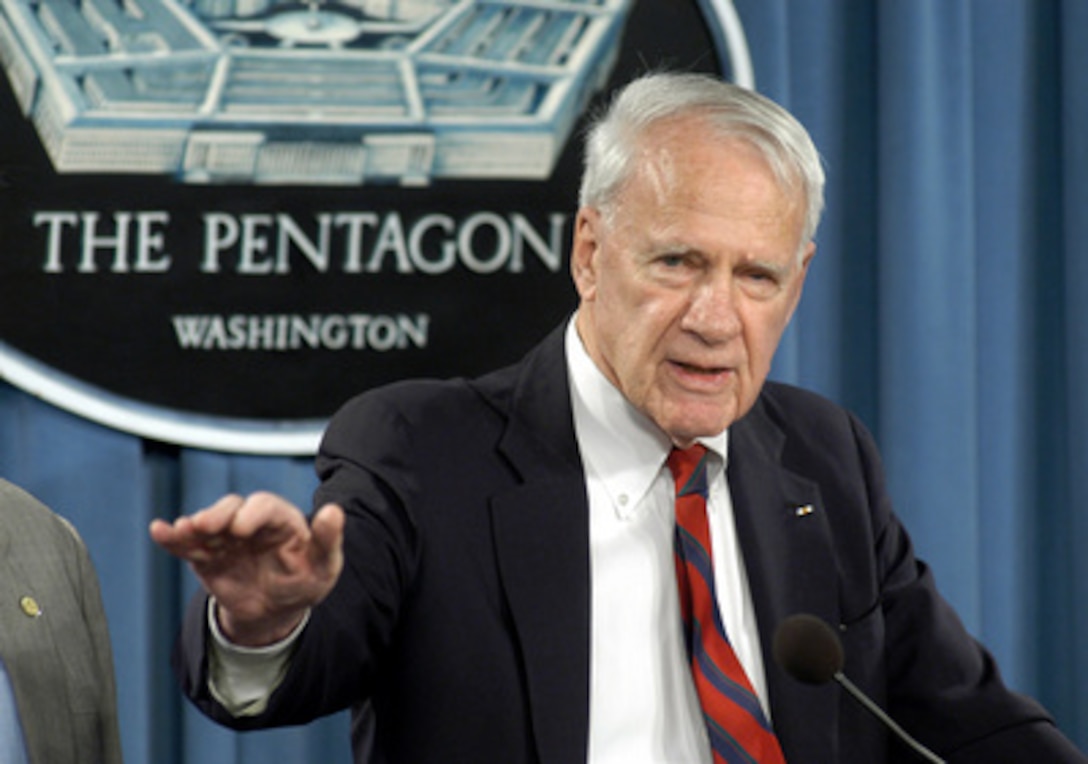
x: 804, y: 510
x: 30, y: 606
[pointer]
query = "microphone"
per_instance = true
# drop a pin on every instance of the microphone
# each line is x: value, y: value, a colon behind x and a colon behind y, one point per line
x: 810, y: 651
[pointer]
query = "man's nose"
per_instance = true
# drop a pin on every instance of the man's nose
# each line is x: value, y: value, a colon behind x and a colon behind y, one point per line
x: 712, y: 313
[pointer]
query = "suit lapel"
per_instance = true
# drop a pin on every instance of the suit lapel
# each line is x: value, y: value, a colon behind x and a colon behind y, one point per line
x: 542, y: 537
x: 542, y: 546
x: 783, y: 530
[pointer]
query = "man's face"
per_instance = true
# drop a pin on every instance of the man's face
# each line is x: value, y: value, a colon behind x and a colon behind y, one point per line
x: 686, y: 290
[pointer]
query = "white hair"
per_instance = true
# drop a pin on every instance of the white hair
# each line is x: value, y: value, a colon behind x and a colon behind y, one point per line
x: 729, y: 110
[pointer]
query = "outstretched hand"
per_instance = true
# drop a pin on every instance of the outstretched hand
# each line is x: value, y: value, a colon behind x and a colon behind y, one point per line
x: 261, y: 560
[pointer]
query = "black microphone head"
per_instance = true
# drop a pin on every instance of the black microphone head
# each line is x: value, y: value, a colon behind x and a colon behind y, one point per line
x: 808, y: 649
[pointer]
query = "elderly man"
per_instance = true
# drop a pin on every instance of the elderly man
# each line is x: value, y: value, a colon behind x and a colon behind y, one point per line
x: 585, y: 556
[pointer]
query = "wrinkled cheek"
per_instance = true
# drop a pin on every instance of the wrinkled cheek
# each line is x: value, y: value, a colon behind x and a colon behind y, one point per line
x: 760, y: 358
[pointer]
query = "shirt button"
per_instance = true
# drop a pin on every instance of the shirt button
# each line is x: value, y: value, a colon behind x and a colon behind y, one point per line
x: 622, y: 499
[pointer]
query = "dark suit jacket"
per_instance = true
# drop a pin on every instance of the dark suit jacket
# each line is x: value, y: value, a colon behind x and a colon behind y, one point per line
x: 459, y: 631
x: 59, y: 663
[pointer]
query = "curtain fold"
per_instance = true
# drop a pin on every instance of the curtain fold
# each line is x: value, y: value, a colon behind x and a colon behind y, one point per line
x: 947, y: 306
x: 927, y: 281
x: 1073, y: 64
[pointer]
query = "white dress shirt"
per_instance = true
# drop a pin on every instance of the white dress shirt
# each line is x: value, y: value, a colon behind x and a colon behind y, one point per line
x: 643, y: 706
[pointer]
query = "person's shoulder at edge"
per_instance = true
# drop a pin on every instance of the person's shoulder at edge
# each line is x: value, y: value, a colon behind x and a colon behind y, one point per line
x: 32, y: 511
x: 426, y: 396
x: 797, y: 408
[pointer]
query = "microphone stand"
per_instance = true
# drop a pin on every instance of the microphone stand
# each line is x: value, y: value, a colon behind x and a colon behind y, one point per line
x: 878, y: 712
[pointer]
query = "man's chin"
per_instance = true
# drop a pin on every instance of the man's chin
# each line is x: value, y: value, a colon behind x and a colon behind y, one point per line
x: 683, y: 434
x: 686, y: 418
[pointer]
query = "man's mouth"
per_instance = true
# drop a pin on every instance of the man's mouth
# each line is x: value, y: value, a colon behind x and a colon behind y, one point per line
x: 703, y: 379
x: 709, y: 371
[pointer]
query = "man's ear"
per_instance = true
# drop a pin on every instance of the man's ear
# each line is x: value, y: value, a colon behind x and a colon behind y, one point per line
x: 584, y: 252
x: 806, y: 258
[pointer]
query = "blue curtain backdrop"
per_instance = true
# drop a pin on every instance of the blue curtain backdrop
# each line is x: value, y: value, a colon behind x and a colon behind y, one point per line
x: 948, y: 306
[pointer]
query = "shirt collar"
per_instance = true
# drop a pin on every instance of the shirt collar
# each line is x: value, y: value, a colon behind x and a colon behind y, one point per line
x: 619, y: 444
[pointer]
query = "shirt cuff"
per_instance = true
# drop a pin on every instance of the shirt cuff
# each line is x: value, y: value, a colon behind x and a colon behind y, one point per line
x: 242, y: 679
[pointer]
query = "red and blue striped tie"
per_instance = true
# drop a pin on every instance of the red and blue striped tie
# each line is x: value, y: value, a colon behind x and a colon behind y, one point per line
x: 738, y: 729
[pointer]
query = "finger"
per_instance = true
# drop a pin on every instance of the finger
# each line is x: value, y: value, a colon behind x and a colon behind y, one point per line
x: 326, y: 551
x: 175, y: 536
x: 201, y: 532
x: 161, y: 531
x: 266, y: 511
x: 217, y: 518
x: 328, y: 525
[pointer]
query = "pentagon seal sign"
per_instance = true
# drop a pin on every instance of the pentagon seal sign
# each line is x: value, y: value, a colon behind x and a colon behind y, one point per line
x: 223, y: 218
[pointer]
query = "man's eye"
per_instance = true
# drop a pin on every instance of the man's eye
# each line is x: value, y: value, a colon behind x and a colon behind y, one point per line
x: 761, y: 275
x: 672, y: 261
x: 760, y: 283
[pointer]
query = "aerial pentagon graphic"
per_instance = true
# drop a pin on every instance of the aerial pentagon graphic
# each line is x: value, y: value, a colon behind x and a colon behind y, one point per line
x: 320, y: 93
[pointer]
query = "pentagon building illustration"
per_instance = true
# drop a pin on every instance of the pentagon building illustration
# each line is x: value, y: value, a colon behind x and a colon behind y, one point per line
x: 311, y: 93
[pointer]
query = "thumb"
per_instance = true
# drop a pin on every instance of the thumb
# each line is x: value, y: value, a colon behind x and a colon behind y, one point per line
x: 327, y: 527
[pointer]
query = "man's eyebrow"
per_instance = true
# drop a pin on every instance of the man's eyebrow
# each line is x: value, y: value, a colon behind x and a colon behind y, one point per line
x: 765, y: 265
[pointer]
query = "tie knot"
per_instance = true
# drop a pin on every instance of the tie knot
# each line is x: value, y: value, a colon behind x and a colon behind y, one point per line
x: 688, y: 468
